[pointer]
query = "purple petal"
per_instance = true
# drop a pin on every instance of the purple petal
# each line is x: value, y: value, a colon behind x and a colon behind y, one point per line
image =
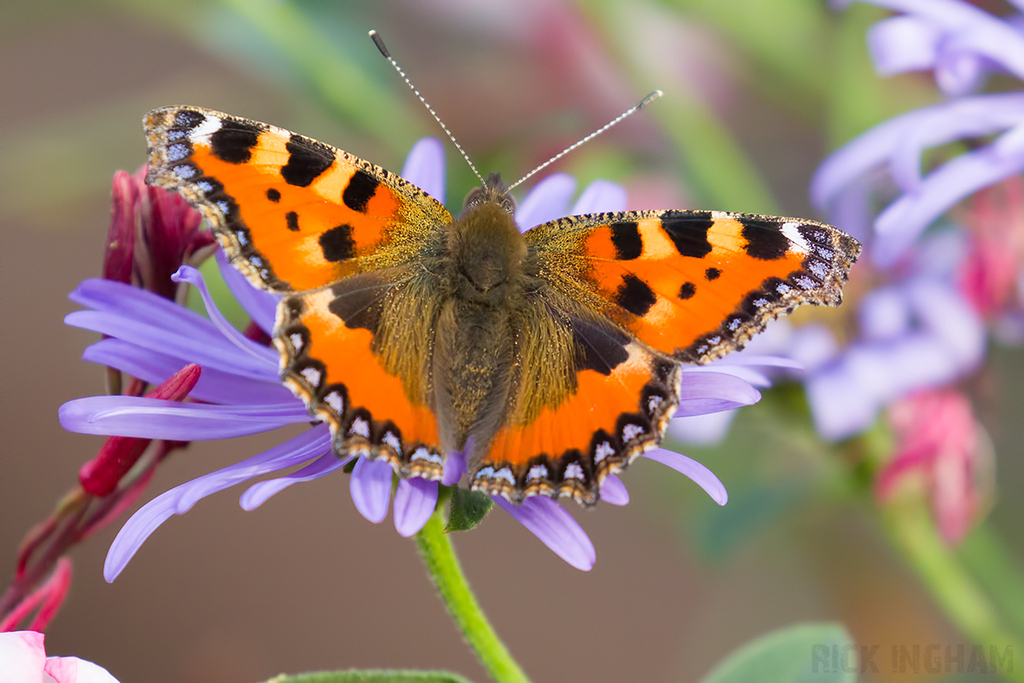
x: 884, y: 314
x: 614, y: 491
x: 455, y: 465
x: 840, y: 405
x: 214, y: 385
x: 180, y: 344
x: 959, y: 70
x: 750, y: 375
x: 900, y: 44
x: 259, y: 493
x: 906, y: 218
x: 700, y: 475
x: 910, y: 133
x: 945, y: 313
x: 180, y: 499
x: 555, y: 527
x: 702, y: 430
x: 136, y: 305
x: 424, y: 167
x: 600, y: 196
x: 972, y: 28
x: 813, y: 345
x: 371, y: 488
x: 151, y: 418
x: 241, y: 342
x: 709, y: 392
x: 747, y: 359
x: 548, y: 200
x: 415, y: 500
x: 261, y: 305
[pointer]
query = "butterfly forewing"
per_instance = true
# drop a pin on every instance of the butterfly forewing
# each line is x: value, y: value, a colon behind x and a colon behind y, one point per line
x: 695, y: 284
x: 291, y: 213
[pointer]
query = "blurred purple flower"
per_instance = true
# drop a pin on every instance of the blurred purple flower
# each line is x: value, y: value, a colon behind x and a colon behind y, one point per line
x: 959, y: 43
x: 914, y: 334
x: 238, y: 392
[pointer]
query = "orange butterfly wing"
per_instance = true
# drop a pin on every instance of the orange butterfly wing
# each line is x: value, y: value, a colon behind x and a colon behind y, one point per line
x: 698, y: 284
x: 291, y: 213
x: 664, y: 287
x: 337, y: 236
x: 333, y: 354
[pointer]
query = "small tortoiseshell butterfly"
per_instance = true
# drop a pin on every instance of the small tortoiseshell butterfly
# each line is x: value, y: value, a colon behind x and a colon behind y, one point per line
x: 554, y: 356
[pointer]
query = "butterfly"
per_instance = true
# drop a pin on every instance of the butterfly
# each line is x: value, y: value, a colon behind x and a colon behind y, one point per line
x: 551, y: 358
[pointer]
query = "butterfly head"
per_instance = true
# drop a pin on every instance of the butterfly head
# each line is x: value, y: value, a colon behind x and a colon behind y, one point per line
x: 493, y: 191
x: 486, y: 247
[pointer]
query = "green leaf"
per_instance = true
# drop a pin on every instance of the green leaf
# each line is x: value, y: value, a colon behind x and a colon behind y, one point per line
x: 468, y: 508
x: 372, y: 676
x: 805, y: 653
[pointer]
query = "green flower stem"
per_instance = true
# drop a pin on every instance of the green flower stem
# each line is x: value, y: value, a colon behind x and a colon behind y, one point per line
x: 912, y: 530
x: 439, y: 556
x: 987, y: 558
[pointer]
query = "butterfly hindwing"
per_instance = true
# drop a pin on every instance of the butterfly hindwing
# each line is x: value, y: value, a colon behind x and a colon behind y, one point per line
x: 362, y: 373
x: 564, y: 435
x: 291, y: 213
x: 695, y: 284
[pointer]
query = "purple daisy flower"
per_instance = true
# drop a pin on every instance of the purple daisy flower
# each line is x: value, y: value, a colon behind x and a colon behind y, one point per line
x: 239, y: 393
x: 960, y: 44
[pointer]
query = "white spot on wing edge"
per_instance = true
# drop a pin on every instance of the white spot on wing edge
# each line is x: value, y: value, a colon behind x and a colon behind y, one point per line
x: 360, y: 427
x: 210, y: 125
x: 311, y: 375
x: 792, y: 231
x: 537, y: 472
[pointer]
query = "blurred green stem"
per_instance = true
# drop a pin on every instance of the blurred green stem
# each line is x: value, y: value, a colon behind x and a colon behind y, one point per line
x: 718, y: 169
x: 332, y: 75
x: 912, y: 530
x: 986, y: 556
x: 439, y: 556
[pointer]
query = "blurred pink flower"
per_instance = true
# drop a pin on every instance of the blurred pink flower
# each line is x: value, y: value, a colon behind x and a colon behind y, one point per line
x: 23, y: 660
x: 938, y: 437
x: 991, y: 276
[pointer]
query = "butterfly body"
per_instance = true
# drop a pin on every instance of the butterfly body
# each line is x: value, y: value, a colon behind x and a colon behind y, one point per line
x: 482, y: 286
x: 553, y: 356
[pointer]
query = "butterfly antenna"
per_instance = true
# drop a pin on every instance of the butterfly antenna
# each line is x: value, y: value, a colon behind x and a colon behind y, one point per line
x: 379, y: 42
x: 643, y: 103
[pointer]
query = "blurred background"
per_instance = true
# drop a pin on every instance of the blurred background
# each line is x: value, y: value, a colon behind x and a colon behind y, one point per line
x: 756, y: 95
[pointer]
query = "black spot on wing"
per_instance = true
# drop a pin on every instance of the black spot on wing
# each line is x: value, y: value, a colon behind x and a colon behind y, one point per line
x: 627, y: 241
x: 306, y: 161
x: 292, y: 220
x: 337, y: 243
x: 687, y: 290
x: 712, y: 274
x: 635, y: 295
x: 233, y: 142
x: 359, y: 191
x: 601, y: 348
x: 688, y: 231
x: 273, y: 195
x: 764, y: 240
